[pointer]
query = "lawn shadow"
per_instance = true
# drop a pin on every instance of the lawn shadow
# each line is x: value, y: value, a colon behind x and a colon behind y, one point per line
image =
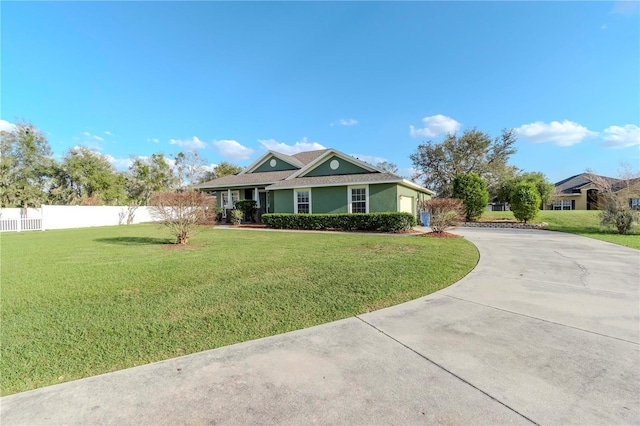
x: 135, y: 241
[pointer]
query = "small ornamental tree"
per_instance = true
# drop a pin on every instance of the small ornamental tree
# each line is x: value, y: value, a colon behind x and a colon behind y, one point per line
x: 525, y: 201
x: 472, y: 190
x: 445, y: 212
x: 182, y: 211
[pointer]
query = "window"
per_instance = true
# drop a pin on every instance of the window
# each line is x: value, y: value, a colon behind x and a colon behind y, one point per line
x: 358, y: 200
x: 234, y: 198
x: 562, y: 205
x: 634, y: 203
x: 302, y: 200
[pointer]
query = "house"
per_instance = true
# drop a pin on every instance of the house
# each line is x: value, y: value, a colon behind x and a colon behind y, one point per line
x: 582, y: 192
x: 322, y: 181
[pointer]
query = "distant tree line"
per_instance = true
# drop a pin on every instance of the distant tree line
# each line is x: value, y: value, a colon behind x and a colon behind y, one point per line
x: 30, y: 176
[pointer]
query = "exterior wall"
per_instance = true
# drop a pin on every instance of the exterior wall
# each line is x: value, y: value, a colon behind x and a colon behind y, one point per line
x: 580, y: 201
x: 279, y: 166
x: 331, y: 199
x: 383, y: 198
x: 283, y: 201
x: 344, y: 168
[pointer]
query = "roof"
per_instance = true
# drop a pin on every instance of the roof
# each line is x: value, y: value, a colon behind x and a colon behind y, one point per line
x: 340, y: 180
x: 573, y: 184
x: 307, y: 161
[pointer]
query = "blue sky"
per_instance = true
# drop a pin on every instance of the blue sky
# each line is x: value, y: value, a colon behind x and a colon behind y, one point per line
x: 372, y: 79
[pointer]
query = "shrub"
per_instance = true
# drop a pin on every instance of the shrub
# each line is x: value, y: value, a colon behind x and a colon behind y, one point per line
x: 525, y: 201
x: 182, y: 211
x: 236, y: 217
x: 618, y: 214
x: 248, y: 208
x: 383, y: 222
x: 472, y: 190
x: 445, y: 212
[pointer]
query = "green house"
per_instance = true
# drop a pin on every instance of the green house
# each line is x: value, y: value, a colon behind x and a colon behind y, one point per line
x: 323, y: 181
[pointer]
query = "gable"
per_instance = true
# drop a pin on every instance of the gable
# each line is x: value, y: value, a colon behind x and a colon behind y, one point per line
x: 335, y: 165
x: 274, y: 164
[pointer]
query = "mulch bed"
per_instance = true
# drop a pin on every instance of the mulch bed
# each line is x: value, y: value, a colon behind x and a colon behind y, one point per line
x: 441, y: 235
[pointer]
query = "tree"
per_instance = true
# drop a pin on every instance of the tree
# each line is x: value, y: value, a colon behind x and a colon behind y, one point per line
x: 181, y: 212
x: 189, y: 168
x: 149, y: 175
x: 525, y: 201
x: 223, y: 169
x: 25, y: 166
x: 472, y: 190
x: 87, y: 177
x: 614, y: 197
x: 544, y: 187
x: 385, y: 166
x: 439, y: 163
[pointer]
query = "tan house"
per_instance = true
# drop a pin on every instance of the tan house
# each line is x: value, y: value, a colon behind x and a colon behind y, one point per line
x: 582, y: 192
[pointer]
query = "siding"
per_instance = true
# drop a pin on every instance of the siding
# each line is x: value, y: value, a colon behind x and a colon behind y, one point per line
x: 283, y: 201
x: 345, y: 168
x: 331, y: 199
x: 383, y: 198
x: 280, y: 166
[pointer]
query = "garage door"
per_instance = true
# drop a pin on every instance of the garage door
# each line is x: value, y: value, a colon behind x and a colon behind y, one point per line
x: 406, y: 204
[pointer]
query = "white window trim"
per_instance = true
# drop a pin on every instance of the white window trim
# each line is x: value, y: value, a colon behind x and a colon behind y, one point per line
x: 234, y: 194
x: 561, y: 204
x: 349, y: 196
x: 295, y: 199
x: 635, y: 201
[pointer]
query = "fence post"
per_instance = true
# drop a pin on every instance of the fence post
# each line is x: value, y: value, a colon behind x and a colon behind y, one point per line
x: 42, y: 217
x: 19, y: 223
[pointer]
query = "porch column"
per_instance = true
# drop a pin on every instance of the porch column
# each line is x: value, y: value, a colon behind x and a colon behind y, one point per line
x: 256, y: 197
x: 229, y: 199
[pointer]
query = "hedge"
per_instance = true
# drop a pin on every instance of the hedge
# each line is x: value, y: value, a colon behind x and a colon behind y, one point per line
x: 384, y: 222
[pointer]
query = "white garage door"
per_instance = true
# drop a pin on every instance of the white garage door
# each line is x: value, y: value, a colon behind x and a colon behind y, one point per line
x: 406, y: 204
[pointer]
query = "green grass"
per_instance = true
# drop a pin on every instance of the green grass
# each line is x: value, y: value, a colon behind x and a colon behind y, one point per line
x: 76, y: 303
x: 581, y: 222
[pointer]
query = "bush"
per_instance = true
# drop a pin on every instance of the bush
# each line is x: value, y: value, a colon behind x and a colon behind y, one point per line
x: 618, y: 214
x: 182, y: 211
x: 383, y: 222
x: 236, y: 217
x: 445, y: 212
x: 472, y: 190
x: 248, y: 208
x: 525, y: 201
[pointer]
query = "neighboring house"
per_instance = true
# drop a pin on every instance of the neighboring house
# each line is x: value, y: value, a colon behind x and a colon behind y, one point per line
x: 324, y: 181
x: 582, y: 192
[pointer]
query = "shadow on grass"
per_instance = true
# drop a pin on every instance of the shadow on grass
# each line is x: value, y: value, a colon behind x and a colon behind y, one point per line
x: 135, y: 241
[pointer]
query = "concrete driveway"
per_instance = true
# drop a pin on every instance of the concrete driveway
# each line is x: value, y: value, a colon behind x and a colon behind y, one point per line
x: 545, y: 330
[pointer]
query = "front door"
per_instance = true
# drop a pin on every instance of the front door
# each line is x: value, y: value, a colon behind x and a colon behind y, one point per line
x: 592, y: 199
x: 263, y: 202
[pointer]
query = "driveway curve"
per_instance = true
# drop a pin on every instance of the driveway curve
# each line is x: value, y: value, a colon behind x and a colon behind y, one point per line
x: 545, y: 330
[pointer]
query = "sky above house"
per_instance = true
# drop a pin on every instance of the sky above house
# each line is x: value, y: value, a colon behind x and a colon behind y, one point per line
x: 371, y: 79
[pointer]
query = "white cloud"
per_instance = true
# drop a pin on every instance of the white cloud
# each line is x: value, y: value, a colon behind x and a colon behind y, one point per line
x: 435, y: 125
x: 566, y: 133
x: 190, y: 144
x: 108, y: 133
x: 87, y: 134
x: 5, y: 126
x: 345, y: 122
x: 300, y: 146
x: 621, y: 137
x: 369, y: 159
x: 119, y: 163
x: 625, y: 7
x: 154, y: 140
x: 233, y: 150
x: 98, y: 138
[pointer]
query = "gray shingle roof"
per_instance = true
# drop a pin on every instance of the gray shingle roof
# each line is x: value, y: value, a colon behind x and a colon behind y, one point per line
x: 573, y: 184
x: 308, y: 156
x: 264, y: 178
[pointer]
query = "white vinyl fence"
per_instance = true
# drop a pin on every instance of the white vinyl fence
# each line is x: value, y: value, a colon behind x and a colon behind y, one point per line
x: 65, y: 217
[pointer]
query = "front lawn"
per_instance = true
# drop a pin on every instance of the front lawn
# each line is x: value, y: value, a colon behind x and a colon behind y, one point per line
x: 581, y: 222
x: 76, y: 303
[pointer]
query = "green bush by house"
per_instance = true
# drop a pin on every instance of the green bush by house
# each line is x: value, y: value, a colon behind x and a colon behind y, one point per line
x: 385, y: 222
